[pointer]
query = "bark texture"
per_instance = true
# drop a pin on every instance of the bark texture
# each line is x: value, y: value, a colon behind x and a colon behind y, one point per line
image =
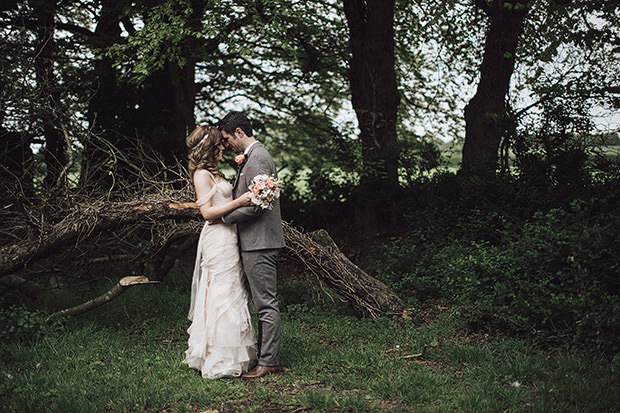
x: 318, y: 254
x: 55, y: 152
x: 110, y: 107
x: 486, y: 114
x: 375, y: 98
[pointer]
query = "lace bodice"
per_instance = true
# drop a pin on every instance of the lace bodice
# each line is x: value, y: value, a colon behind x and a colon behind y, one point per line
x: 219, y: 194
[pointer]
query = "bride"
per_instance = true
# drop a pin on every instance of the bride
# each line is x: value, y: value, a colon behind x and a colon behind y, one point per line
x: 221, y: 337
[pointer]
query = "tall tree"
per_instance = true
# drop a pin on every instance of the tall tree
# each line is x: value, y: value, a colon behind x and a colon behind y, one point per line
x: 111, y: 105
x: 534, y: 53
x: 43, y: 15
x: 487, y: 114
x: 375, y: 98
x: 168, y: 94
x: 151, y: 108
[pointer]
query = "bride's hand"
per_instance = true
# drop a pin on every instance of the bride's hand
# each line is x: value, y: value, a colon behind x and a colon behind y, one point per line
x: 245, y: 199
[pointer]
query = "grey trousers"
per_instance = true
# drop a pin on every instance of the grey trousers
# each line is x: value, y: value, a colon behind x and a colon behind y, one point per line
x: 260, y: 269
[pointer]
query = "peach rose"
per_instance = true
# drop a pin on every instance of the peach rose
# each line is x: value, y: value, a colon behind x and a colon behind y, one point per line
x: 260, y: 185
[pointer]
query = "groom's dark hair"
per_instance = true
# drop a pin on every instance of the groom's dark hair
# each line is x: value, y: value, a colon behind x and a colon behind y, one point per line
x: 234, y: 120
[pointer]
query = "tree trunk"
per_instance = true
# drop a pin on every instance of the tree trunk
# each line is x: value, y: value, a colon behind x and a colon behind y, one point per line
x: 103, y: 105
x: 182, y: 78
x: 111, y: 109
x: 486, y: 115
x: 15, y: 159
x: 156, y: 115
x: 49, y: 96
x: 162, y: 113
x: 375, y: 98
x: 88, y: 219
x: 318, y: 254
x: 168, y: 98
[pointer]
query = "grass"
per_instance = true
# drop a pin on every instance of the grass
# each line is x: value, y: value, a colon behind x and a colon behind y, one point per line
x: 126, y: 356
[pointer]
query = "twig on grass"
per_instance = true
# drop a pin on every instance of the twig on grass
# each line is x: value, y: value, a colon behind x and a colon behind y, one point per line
x: 412, y: 356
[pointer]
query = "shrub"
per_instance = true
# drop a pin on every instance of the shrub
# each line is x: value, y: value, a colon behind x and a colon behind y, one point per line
x: 20, y: 323
x: 556, y: 279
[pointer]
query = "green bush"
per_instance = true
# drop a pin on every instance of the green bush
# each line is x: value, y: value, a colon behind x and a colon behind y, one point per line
x: 21, y: 323
x: 319, y: 199
x: 557, y: 278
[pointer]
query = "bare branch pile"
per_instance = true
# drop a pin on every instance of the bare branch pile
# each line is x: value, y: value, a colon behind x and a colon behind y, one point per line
x: 314, y: 253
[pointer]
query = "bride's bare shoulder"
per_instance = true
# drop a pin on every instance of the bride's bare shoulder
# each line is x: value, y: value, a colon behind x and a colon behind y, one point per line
x: 203, y: 175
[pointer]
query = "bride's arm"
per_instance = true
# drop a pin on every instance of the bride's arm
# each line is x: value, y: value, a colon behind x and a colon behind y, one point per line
x: 203, y: 184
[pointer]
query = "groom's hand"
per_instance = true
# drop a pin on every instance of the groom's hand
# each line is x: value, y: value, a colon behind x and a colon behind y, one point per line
x: 216, y: 221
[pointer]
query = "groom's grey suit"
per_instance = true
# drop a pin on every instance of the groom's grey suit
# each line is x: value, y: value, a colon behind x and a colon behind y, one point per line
x: 260, y: 239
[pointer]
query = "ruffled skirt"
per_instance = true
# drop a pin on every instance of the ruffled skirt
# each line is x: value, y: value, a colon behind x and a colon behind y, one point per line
x: 221, y: 337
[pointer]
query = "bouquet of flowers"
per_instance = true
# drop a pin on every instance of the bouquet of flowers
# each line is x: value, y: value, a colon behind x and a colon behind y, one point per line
x: 264, y: 188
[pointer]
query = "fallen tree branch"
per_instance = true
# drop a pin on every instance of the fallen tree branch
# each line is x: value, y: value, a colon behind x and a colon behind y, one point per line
x: 85, y: 220
x: 316, y: 253
x: 328, y: 264
x: 108, y: 296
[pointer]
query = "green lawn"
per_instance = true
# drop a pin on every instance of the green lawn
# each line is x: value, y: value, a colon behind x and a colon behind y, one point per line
x: 126, y: 356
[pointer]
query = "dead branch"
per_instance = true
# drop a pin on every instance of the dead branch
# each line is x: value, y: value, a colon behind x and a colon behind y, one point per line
x: 412, y: 356
x: 110, y: 295
x: 83, y: 221
x: 324, y: 260
x: 315, y: 253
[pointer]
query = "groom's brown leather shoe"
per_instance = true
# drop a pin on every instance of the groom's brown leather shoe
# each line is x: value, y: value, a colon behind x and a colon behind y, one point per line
x: 260, y: 371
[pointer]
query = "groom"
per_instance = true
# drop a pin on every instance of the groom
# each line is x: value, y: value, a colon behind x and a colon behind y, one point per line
x: 260, y: 239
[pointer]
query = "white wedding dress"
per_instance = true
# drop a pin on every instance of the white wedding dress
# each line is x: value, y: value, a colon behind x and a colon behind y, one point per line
x: 221, y: 337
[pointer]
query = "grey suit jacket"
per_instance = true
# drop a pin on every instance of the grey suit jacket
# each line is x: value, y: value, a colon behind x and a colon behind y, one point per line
x: 258, y: 228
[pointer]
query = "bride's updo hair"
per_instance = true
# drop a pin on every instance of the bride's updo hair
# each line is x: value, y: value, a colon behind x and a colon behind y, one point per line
x: 202, y: 147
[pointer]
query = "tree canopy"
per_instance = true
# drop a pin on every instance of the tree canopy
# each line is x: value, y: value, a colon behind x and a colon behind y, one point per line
x: 354, y: 99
